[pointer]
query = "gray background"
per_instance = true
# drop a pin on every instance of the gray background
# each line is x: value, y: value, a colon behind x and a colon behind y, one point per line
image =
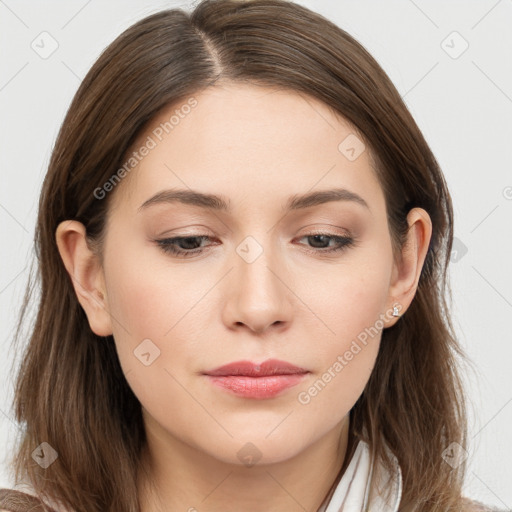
x: 462, y: 101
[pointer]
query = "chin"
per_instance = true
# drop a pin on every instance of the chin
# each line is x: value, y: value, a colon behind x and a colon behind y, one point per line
x: 250, y: 450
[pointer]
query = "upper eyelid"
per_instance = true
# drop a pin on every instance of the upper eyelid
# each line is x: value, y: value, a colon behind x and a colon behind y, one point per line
x: 326, y: 228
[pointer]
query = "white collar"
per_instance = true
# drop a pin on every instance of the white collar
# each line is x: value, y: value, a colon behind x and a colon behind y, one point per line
x: 358, y: 489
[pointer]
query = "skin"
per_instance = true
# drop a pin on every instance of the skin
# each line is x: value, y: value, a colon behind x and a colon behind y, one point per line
x: 256, y: 147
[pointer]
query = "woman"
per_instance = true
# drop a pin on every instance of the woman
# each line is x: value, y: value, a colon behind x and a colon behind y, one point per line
x: 299, y: 354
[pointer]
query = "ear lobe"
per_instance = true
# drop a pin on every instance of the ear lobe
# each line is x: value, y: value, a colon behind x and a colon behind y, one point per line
x: 406, y: 273
x: 84, y: 268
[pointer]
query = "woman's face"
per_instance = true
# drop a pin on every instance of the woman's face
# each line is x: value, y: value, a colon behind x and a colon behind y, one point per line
x: 257, y: 284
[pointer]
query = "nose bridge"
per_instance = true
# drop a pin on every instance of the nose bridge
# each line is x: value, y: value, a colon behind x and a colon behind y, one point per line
x: 258, y: 296
x: 255, y: 259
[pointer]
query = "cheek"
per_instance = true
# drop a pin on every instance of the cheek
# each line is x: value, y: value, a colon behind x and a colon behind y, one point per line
x: 348, y: 297
x: 352, y: 307
x: 346, y: 364
x: 146, y: 301
x: 149, y: 297
x: 154, y: 332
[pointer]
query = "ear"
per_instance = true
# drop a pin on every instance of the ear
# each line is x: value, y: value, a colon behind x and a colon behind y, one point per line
x: 86, y: 272
x: 406, y: 272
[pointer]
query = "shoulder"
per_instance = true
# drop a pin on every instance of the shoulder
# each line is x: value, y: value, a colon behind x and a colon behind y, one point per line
x: 470, y: 505
x: 12, y: 500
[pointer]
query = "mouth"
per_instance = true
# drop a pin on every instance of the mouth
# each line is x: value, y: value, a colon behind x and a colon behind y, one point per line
x: 257, y: 381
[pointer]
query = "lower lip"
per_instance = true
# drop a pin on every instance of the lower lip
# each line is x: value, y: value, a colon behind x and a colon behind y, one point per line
x: 256, y: 387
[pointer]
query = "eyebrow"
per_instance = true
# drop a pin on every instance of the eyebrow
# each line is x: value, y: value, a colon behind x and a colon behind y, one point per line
x: 218, y: 203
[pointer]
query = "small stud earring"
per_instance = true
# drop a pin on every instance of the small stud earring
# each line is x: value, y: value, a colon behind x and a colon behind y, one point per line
x: 395, y: 311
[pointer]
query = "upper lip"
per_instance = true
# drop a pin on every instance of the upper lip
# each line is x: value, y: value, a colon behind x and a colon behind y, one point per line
x: 250, y: 369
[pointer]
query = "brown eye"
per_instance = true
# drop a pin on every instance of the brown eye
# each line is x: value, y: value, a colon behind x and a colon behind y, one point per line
x: 183, y: 246
x: 321, y: 241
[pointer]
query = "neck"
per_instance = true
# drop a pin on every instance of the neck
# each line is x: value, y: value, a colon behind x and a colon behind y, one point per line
x: 178, y: 477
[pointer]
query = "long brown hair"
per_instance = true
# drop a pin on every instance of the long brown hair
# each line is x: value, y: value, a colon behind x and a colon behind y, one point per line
x: 71, y: 391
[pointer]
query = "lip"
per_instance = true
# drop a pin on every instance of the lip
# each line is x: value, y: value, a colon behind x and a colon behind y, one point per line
x: 258, y: 381
x: 250, y: 369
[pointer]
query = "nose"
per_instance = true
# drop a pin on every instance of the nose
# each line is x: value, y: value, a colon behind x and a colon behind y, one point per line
x: 257, y: 293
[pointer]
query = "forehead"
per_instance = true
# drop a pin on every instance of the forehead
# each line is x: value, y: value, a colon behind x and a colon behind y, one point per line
x: 250, y: 141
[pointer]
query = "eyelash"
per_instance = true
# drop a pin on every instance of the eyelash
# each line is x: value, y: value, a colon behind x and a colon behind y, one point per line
x: 168, y: 244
